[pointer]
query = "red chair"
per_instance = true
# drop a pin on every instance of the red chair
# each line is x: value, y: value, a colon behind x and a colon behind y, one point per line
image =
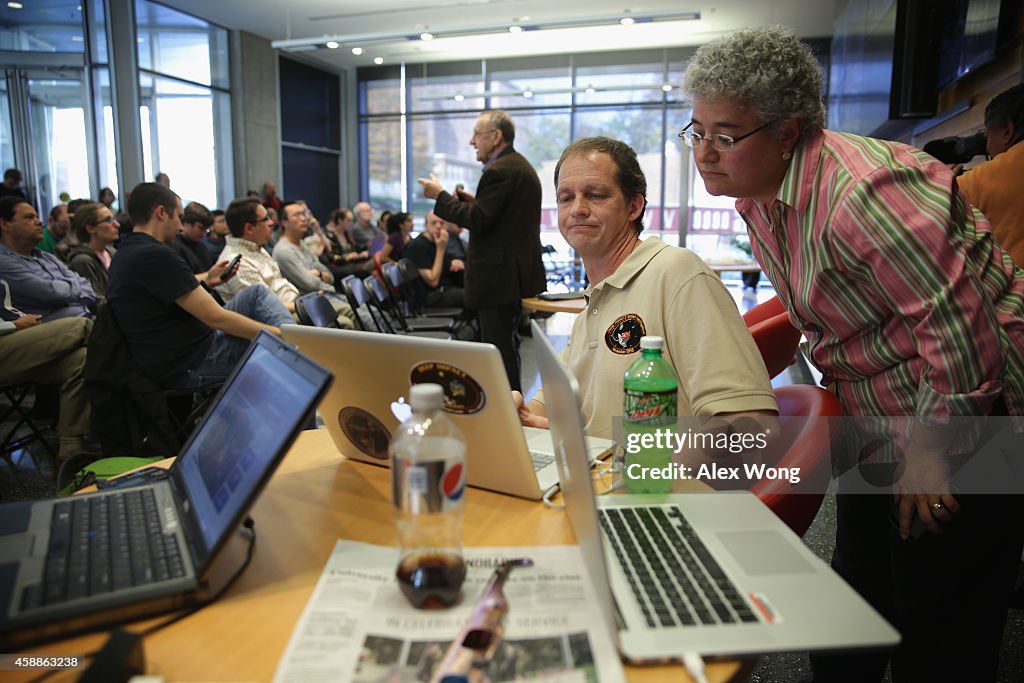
x: 776, y: 338
x: 809, y: 448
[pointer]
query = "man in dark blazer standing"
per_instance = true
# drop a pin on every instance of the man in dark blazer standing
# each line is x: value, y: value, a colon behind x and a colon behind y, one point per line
x: 503, y: 263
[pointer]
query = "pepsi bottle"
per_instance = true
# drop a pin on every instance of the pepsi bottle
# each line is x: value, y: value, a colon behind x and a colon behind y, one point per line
x: 428, y: 461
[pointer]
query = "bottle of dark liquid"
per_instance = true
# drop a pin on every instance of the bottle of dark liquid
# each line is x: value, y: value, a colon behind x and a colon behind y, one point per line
x: 428, y: 485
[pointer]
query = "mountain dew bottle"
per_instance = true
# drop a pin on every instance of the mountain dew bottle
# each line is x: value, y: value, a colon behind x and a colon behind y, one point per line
x: 651, y: 387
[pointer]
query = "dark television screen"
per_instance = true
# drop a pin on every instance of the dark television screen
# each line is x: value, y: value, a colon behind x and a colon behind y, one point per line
x: 860, y: 77
x: 969, y: 38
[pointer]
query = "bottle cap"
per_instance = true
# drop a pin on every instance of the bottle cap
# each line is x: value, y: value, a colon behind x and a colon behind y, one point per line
x: 426, y: 398
x: 652, y: 342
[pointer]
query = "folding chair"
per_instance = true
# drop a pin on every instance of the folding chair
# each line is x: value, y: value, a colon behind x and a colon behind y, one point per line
x: 392, y: 315
x: 391, y: 294
x: 16, y: 395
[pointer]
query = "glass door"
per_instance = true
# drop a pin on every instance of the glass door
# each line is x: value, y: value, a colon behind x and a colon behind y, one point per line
x: 51, y: 141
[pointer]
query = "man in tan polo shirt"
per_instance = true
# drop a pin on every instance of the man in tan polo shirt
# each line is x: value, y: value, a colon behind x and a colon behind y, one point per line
x: 644, y: 288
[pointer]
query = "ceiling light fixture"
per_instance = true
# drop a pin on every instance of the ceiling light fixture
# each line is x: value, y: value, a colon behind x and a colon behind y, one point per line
x: 378, y: 60
x: 357, y: 51
x: 364, y: 39
x: 529, y: 92
x: 515, y: 29
x: 667, y: 87
x: 333, y: 44
x: 15, y: 5
x: 459, y: 97
x: 627, y: 21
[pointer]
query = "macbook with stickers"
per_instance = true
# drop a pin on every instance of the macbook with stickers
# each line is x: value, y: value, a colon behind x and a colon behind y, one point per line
x: 715, y: 574
x: 85, y: 561
x: 368, y: 401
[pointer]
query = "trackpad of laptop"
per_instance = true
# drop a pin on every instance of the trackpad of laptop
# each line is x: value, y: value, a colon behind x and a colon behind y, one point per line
x: 764, y: 553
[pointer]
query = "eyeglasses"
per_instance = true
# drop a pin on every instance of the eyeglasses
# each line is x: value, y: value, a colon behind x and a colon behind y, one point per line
x: 723, y: 143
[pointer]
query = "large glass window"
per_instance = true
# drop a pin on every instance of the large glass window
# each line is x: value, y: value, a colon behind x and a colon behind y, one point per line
x: 176, y: 44
x: 634, y: 96
x: 181, y: 137
x: 382, y: 138
x: 52, y: 26
x: 185, y: 104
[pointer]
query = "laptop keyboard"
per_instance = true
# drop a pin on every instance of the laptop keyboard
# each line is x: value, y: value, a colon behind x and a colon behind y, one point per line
x: 104, y: 544
x: 680, y: 583
x: 541, y: 460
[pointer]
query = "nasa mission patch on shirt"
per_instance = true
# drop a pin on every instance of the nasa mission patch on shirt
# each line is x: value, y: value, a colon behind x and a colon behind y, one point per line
x: 623, y: 335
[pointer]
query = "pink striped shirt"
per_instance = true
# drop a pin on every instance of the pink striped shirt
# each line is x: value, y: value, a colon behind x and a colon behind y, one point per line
x: 909, y: 306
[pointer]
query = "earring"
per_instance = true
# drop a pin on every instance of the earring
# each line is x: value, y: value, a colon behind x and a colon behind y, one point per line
x: 786, y: 156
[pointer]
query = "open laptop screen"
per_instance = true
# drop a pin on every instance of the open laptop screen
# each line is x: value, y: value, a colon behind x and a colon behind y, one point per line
x: 254, y: 419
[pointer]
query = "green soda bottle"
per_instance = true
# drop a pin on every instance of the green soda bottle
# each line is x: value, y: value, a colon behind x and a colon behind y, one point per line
x: 651, y: 389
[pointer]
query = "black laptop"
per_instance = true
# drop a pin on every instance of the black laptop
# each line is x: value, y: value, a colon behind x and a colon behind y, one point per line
x: 77, y: 563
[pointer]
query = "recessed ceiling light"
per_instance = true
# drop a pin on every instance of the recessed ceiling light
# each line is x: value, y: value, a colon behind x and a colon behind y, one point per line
x: 515, y: 29
x: 459, y: 97
x: 667, y: 87
x: 378, y: 60
x: 591, y: 90
x: 527, y: 93
x: 15, y: 5
x: 626, y: 21
x: 357, y: 50
x: 426, y: 36
x: 333, y: 44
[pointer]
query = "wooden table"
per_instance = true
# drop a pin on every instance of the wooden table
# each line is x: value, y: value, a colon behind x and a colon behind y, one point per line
x: 577, y: 305
x: 315, y: 497
x: 565, y: 306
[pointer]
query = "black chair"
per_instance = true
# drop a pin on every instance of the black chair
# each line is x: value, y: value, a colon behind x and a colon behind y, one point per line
x: 315, y: 309
x: 392, y: 316
x: 390, y: 299
x: 358, y: 299
x: 16, y: 395
x: 131, y: 414
x: 400, y: 276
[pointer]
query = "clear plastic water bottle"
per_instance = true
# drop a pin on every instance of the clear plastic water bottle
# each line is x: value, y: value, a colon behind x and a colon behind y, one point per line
x: 428, y: 460
x: 651, y: 389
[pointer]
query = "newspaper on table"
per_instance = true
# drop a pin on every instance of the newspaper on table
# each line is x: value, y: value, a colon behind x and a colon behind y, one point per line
x: 359, y: 627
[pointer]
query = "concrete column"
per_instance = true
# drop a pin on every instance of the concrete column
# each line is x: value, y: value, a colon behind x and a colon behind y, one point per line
x: 124, y: 82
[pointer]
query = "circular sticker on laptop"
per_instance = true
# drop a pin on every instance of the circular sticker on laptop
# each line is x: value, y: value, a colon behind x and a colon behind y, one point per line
x: 623, y: 335
x: 365, y: 431
x: 463, y: 395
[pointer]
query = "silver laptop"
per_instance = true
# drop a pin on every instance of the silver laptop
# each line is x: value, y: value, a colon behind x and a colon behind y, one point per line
x: 716, y: 574
x: 77, y: 563
x: 368, y: 402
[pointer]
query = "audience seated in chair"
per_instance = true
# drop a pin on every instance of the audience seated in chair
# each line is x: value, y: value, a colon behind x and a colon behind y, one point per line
x: 50, y: 353
x: 189, y: 244
x: 399, y: 231
x: 300, y: 267
x: 40, y: 283
x: 57, y: 229
x: 97, y: 230
x: 440, y: 275
x: 341, y: 256
x: 174, y: 329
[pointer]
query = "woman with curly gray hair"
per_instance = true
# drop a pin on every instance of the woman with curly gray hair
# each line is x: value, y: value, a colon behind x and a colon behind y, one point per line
x: 910, y: 310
